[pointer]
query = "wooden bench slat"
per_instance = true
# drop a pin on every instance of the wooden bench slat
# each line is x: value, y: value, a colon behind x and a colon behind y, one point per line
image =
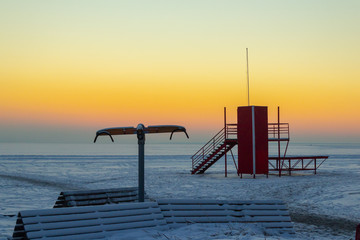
x: 46, y: 212
x: 278, y: 225
x: 262, y: 207
x: 195, y: 207
x: 100, y: 201
x: 221, y: 207
x: 268, y: 218
x: 92, y: 222
x: 97, y: 197
x: 219, y: 202
x: 95, y: 229
x: 265, y: 212
x: 97, y: 191
x: 200, y: 213
x: 224, y: 212
x: 244, y: 219
x: 102, y: 235
x: 95, y: 214
x: 212, y: 219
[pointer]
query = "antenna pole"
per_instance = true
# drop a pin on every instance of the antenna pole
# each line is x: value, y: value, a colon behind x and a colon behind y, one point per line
x: 247, y: 71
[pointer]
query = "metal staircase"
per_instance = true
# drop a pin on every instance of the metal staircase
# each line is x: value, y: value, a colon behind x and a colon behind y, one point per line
x: 213, y: 150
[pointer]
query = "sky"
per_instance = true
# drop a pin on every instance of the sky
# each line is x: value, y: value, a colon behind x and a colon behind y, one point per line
x: 69, y: 68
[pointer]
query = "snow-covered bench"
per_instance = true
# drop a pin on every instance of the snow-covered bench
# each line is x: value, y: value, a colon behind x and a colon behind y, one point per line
x: 87, y: 222
x: 97, y: 197
x: 272, y: 215
x: 102, y: 221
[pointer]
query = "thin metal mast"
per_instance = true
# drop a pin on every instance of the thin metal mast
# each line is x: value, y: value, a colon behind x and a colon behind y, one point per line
x: 247, y: 67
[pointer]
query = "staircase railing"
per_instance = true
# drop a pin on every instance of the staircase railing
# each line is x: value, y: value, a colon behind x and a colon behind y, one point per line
x: 208, y: 148
x: 212, y: 144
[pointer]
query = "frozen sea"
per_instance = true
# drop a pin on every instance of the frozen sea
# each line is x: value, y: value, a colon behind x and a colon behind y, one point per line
x: 322, y: 206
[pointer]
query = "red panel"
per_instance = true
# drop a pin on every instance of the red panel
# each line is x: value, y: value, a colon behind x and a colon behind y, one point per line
x: 245, y: 140
x: 244, y: 136
x: 261, y: 137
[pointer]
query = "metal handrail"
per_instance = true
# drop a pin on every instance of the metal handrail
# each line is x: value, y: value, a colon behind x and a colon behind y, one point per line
x: 231, y: 129
x: 213, y: 143
x: 208, y: 147
x: 207, y: 142
x: 276, y: 129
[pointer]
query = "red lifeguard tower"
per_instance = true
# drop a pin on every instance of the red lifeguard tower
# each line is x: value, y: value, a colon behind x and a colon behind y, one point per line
x: 252, y: 134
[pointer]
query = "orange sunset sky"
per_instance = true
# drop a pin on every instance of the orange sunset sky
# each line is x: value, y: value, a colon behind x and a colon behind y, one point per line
x: 69, y: 68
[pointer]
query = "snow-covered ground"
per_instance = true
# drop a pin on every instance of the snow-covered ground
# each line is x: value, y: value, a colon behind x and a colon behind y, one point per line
x: 322, y: 206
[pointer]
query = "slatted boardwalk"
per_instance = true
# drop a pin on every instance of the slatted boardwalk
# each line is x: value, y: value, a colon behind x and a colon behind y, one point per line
x: 91, y: 222
x: 97, y: 197
x: 272, y: 215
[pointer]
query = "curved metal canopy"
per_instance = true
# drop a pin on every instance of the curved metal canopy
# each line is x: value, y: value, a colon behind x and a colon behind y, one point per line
x: 132, y: 130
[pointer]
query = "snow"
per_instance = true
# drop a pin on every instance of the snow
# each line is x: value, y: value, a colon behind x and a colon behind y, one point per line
x: 203, y: 231
x: 322, y: 206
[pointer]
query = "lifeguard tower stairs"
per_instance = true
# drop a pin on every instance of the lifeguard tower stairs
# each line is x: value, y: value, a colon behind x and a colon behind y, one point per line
x: 215, y: 149
x: 230, y: 135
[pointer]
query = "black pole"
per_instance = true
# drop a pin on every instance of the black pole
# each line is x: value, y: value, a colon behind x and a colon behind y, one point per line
x: 141, y: 143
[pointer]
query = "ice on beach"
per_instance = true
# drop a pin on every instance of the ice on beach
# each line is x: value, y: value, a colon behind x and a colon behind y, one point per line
x: 33, y: 175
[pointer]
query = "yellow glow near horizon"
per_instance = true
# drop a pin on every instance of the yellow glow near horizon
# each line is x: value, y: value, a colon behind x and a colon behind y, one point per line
x: 90, y: 64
